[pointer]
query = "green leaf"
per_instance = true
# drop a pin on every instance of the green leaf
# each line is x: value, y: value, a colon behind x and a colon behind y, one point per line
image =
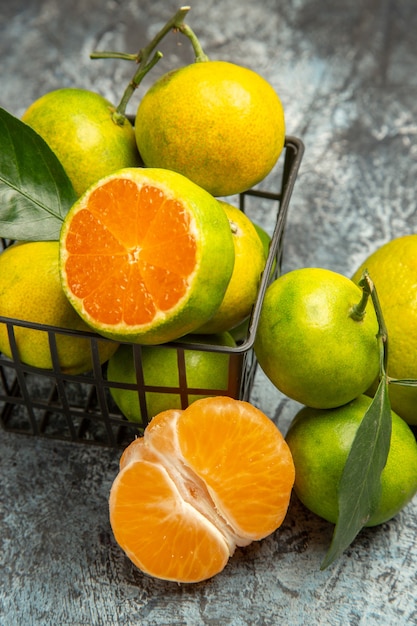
x: 360, y: 484
x: 35, y: 191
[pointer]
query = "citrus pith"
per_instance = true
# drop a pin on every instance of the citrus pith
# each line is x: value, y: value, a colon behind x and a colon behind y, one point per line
x: 30, y: 290
x: 139, y: 255
x: 200, y: 482
x: 320, y: 441
x: 77, y: 125
x: 393, y: 270
x: 220, y: 124
x: 308, y: 343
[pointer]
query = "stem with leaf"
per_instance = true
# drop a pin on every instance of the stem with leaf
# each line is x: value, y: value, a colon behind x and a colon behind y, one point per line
x: 360, y: 483
x: 368, y: 288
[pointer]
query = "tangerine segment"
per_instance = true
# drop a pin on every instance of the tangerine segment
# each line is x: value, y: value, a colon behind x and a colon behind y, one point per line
x: 159, y: 432
x: 160, y: 443
x: 244, y: 461
x: 160, y: 533
x: 200, y: 482
x: 139, y: 255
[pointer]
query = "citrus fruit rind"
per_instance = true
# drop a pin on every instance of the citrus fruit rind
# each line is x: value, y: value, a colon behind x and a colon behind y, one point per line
x: 199, y: 483
x: 77, y: 125
x: 393, y: 270
x: 30, y: 290
x: 320, y: 441
x: 139, y: 255
x: 242, y: 290
x: 220, y: 124
x: 309, y: 345
x: 206, y: 373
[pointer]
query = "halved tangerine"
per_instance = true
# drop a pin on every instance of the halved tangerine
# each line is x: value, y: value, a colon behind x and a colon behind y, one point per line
x: 200, y: 482
x: 139, y: 255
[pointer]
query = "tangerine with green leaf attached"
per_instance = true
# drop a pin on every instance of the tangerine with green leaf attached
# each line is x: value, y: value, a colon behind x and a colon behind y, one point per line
x: 393, y: 269
x: 139, y: 255
x: 320, y: 441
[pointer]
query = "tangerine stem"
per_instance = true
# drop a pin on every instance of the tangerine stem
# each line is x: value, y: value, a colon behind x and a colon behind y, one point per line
x: 144, y: 53
x: 406, y: 382
x: 383, y: 338
x: 200, y: 55
x: 120, y: 113
x: 174, y: 23
x: 368, y: 286
x: 358, y: 311
x: 142, y: 58
x: 383, y: 335
x: 109, y: 54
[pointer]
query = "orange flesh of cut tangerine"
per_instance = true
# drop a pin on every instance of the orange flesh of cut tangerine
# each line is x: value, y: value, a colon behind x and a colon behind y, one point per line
x: 200, y: 482
x: 164, y: 535
x: 244, y: 461
x: 121, y: 257
x: 139, y: 256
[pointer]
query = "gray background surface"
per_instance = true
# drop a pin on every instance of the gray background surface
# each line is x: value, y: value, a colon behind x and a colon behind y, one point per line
x: 346, y: 73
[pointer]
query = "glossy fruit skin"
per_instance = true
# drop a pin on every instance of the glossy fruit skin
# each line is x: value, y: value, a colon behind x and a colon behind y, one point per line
x: 266, y: 242
x: 204, y: 370
x: 240, y: 332
x: 77, y: 125
x: 320, y: 441
x: 242, y: 290
x: 309, y: 346
x: 30, y: 289
x: 393, y: 269
x: 219, y: 124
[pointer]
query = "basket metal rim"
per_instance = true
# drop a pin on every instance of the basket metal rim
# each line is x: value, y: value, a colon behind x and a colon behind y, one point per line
x: 292, y: 143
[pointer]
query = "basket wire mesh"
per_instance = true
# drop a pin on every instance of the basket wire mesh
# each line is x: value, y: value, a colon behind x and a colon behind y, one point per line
x: 80, y: 408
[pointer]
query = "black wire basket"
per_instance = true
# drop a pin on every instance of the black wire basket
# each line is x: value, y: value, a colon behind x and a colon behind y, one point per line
x: 80, y: 408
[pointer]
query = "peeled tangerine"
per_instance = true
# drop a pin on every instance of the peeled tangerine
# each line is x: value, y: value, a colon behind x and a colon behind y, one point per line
x: 199, y: 483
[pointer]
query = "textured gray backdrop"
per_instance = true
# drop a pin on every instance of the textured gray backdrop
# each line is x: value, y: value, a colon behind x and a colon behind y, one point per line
x: 345, y: 72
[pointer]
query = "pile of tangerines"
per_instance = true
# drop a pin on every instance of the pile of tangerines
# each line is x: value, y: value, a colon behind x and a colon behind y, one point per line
x: 151, y: 251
